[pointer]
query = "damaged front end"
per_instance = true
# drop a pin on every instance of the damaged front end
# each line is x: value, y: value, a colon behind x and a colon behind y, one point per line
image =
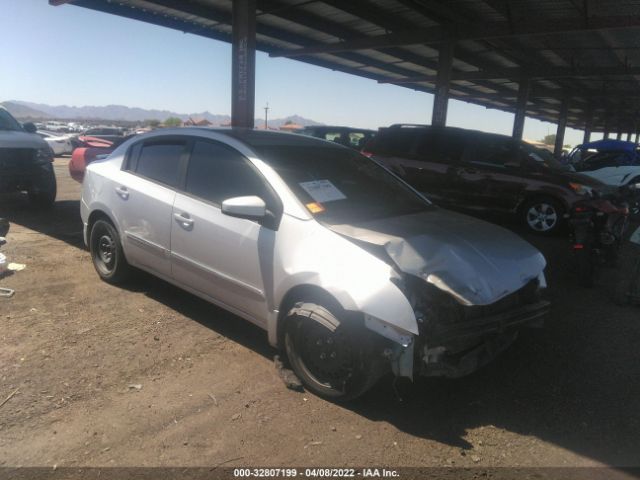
x: 455, y: 339
x: 472, y: 285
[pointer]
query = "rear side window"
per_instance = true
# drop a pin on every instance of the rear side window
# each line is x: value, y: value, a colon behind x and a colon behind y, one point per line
x: 158, y: 161
x: 217, y: 172
x: 491, y: 151
x: 441, y: 145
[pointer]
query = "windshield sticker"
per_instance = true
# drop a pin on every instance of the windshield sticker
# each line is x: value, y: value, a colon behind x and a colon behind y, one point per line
x: 314, y: 207
x: 322, y: 191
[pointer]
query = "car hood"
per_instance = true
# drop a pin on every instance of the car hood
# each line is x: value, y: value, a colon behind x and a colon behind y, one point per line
x: 580, y: 178
x: 476, y: 262
x: 17, y: 139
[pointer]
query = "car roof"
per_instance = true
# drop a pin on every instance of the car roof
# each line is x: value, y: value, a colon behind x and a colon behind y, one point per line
x: 609, y: 145
x: 421, y: 129
x: 265, y: 138
x: 338, y: 127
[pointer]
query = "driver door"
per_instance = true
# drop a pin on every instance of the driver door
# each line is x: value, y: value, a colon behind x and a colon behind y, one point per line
x: 215, y: 254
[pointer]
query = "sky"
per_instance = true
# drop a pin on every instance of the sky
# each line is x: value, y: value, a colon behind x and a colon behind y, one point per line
x: 73, y: 56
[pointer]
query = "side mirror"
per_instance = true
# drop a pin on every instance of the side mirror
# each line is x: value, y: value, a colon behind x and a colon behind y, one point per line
x: 29, y: 127
x: 251, y: 208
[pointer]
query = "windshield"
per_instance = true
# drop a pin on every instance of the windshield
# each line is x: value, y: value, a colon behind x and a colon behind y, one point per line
x: 7, y: 122
x: 341, y: 186
x: 543, y: 157
x: 597, y: 160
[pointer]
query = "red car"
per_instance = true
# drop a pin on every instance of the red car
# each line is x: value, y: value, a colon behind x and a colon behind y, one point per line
x: 90, y: 149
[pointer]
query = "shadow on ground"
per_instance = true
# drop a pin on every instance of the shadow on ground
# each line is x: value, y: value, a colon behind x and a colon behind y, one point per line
x: 62, y: 221
x: 575, y: 383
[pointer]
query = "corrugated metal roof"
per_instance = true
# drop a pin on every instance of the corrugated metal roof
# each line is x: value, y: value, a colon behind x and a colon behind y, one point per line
x: 563, y: 45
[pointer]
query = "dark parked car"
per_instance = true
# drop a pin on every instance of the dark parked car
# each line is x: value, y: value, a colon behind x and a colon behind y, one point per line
x: 349, y: 137
x: 25, y: 161
x: 482, y: 172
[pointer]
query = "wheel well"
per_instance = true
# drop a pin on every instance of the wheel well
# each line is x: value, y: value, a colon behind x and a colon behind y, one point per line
x: 540, y: 196
x: 306, y: 293
x: 93, y: 218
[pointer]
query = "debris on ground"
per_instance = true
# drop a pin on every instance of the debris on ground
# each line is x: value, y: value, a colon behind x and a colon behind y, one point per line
x: 235, y: 416
x: 16, y: 267
x: 135, y: 386
x: 6, y: 292
x: 312, y: 444
x: 9, y: 397
x: 289, y: 378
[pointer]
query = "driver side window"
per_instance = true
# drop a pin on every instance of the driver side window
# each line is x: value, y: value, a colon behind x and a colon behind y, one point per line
x: 217, y: 172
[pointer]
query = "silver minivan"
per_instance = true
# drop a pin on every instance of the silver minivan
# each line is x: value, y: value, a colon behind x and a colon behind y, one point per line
x: 350, y: 271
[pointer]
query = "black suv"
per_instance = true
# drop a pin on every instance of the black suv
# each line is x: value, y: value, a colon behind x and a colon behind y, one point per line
x: 25, y: 161
x: 355, y: 138
x: 482, y: 172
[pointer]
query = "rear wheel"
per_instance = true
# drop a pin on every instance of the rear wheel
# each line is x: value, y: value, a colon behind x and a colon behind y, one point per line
x: 333, y: 358
x: 543, y: 215
x: 106, y: 253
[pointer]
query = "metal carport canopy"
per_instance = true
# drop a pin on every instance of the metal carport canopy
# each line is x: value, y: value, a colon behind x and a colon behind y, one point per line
x: 573, y: 62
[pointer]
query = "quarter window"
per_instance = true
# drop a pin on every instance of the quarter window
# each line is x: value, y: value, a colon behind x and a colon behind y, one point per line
x: 217, y: 172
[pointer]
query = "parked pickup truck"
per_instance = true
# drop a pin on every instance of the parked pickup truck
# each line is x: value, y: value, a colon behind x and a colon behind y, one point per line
x: 25, y: 161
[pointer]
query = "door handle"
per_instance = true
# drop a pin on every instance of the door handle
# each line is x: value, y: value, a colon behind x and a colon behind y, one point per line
x: 122, y: 192
x: 184, y: 220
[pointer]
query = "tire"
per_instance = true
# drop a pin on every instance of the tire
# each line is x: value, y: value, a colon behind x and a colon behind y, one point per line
x: 107, y: 254
x: 44, y: 197
x: 543, y: 215
x: 334, y: 359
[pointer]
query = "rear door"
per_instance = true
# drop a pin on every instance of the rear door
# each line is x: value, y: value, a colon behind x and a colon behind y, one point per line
x: 213, y: 253
x: 144, y: 192
x: 490, y: 175
x: 436, y: 164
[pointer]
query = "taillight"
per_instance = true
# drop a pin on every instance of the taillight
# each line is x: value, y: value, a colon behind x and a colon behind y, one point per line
x: 367, y: 154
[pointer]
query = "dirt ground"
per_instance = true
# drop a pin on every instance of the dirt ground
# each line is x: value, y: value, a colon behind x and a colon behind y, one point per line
x: 151, y: 376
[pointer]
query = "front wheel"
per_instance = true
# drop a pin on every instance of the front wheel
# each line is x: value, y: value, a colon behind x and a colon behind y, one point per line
x: 44, y: 195
x: 334, y: 358
x: 543, y: 215
x: 107, y: 254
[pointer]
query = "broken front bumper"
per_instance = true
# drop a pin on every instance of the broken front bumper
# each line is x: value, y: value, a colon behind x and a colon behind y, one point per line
x: 456, y: 340
x: 487, y: 337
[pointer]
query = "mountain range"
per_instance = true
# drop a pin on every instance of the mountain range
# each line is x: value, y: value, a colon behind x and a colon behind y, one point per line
x: 39, y: 111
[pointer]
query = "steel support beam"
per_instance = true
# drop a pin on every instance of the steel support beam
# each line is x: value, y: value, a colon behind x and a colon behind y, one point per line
x: 607, y: 125
x: 637, y: 137
x: 521, y: 108
x: 562, y: 125
x: 588, y: 124
x: 441, y: 96
x: 243, y: 63
x: 629, y: 137
x: 619, y: 136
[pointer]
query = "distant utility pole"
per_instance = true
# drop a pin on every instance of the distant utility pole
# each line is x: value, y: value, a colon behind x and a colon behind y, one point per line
x: 266, y: 116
